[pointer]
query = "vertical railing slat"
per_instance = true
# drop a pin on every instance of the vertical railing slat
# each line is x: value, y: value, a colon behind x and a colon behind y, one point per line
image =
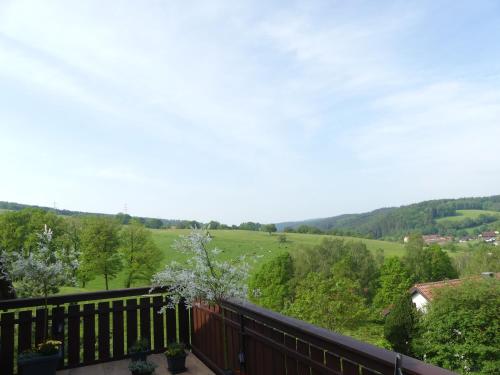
x: 73, y: 335
x: 103, y: 328
x: 158, y: 326
x: 57, y: 330
x: 25, y: 330
x: 145, y: 319
x: 183, y: 323
x: 131, y: 322
x: 7, y: 343
x: 88, y: 333
x: 40, y: 326
x: 291, y: 363
x: 171, y: 326
x: 118, y: 337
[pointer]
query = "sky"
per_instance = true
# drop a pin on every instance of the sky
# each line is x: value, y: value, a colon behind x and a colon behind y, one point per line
x: 248, y: 110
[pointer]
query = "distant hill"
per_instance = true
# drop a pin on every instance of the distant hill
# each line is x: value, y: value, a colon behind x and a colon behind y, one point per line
x: 150, y: 222
x: 444, y: 216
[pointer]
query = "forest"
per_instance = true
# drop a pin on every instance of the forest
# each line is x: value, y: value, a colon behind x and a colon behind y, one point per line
x: 394, y: 223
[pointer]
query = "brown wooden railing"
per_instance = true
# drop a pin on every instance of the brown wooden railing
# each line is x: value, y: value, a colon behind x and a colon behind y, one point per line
x: 101, y: 326
x: 94, y: 327
x: 262, y: 342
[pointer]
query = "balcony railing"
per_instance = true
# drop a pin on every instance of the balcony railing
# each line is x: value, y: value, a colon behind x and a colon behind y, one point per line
x: 101, y: 326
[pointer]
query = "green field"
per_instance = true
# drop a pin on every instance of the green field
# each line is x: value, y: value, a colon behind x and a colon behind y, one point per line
x: 471, y: 214
x: 235, y: 243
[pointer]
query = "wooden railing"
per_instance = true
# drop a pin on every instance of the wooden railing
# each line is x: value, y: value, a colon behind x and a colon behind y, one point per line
x: 94, y: 327
x: 262, y: 342
x: 101, y: 326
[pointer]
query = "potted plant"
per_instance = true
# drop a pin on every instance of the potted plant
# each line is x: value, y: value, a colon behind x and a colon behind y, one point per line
x: 37, y: 274
x: 139, y: 350
x: 42, y: 360
x: 203, y: 278
x: 176, y: 357
x: 142, y: 367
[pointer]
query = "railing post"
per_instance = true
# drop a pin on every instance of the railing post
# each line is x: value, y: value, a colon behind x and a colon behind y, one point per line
x: 397, y: 365
x: 241, y: 354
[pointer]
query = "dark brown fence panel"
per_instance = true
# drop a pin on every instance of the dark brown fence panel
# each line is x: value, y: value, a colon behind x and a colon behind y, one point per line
x: 349, y: 368
x: 318, y: 356
x: 252, y: 361
x: 303, y: 348
x: 73, y: 335
x: 145, y: 319
x: 333, y: 362
x: 103, y: 331
x: 24, y: 331
x: 183, y: 323
x: 278, y: 356
x: 58, y: 328
x: 131, y: 322
x: 158, y: 325
x: 88, y: 333
x: 40, y: 326
x: 171, y: 326
x: 291, y: 362
x: 82, y: 326
x: 7, y: 343
x: 118, y: 336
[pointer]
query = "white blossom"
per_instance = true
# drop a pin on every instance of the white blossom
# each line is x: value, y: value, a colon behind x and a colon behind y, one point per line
x: 204, y: 277
x: 40, y: 272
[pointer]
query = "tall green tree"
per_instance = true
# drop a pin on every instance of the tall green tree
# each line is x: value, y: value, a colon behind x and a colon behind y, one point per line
x: 319, y: 258
x: 100, y: 244
x: 400, y: 325
x: 358, y: 264
x: 330, y: 302
x: 460, y: 328
x: 427, y: 263
x: 394, y: 282
x: 269, y: 228
x: 270, y: 286
x: 141, y: 257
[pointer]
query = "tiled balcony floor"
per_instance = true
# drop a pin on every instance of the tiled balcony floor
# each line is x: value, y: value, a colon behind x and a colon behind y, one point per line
x: 193, y: 364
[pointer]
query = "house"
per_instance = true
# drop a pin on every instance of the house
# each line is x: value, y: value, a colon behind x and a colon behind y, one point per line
x: 423, y: 294
x: 489, y: 236
x: 430, y: 239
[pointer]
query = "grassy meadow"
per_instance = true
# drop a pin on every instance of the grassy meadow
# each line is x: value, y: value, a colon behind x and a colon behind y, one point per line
x: 471, y: 214
x: 235, y: 243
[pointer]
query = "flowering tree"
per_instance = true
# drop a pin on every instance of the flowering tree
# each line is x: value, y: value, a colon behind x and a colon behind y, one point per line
x: 204, y: 277
x: 39, y: 273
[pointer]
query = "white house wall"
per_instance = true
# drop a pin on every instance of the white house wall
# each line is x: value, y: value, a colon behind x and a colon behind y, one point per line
x: 420, y: 301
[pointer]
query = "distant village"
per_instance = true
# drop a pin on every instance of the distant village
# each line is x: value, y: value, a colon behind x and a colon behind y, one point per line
x: 488, y: 237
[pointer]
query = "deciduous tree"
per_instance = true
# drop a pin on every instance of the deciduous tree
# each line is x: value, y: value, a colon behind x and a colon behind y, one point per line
x: 100, y: 243
x: 141, y: 256
x: 270, y: 286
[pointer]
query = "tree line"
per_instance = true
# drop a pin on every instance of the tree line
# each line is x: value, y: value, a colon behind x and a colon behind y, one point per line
x: 91, y: 246
x: 342, y: 286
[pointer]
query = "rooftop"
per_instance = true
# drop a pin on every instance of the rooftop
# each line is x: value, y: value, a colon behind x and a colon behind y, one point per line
x: 428, y: 290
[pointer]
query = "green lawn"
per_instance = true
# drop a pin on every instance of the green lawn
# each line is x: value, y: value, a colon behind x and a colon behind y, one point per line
x: 235, y: 243
x: 463, y: 214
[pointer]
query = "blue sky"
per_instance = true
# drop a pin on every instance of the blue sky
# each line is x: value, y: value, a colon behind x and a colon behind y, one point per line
x: 245, y: 110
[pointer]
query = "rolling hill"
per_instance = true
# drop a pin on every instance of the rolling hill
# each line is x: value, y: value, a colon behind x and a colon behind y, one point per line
x: 444, y: 216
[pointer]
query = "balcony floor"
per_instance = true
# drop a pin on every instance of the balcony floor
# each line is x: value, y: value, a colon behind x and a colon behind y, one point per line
x: 193, y: 364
